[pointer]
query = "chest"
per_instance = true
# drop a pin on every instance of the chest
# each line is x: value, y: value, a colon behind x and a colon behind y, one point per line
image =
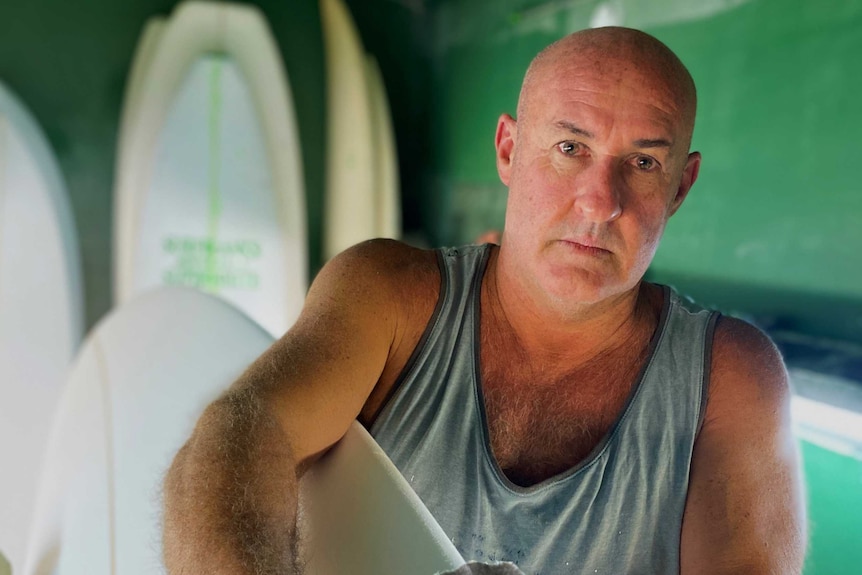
x: 541, y: 424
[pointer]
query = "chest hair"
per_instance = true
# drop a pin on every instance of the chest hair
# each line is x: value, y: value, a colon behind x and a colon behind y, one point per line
x: 542, y: 423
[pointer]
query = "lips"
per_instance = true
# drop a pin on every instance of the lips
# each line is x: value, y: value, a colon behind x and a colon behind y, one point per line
x: 587, y: 246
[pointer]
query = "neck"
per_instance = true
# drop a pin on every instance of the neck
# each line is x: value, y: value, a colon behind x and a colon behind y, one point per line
x: 569, y: 332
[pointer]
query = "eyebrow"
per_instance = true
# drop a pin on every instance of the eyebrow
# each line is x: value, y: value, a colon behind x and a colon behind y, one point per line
x: 657, y: 143
x: 574, y: 129
x: 642, y: 143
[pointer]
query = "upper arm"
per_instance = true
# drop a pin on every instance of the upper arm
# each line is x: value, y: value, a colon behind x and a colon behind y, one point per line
x: 356, y: 323
x: 745, y: 507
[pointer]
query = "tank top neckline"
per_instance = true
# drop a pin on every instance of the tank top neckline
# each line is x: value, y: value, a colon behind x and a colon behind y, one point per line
x: 595, y: 454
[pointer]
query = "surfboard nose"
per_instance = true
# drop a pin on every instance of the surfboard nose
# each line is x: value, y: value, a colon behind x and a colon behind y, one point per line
x: 140, y: 382
x: 210, y: 192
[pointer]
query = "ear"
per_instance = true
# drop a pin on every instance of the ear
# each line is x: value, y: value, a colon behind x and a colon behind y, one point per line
x: 689, y: 175
x: 504, y: 141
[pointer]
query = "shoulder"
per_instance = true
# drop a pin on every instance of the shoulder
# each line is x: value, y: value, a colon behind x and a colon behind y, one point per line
x: 745, y: 508
x: 380, y: 291
x: 383, y: 259
x: 747, y: 410
x: 747, y: 371
x: 377, y: 271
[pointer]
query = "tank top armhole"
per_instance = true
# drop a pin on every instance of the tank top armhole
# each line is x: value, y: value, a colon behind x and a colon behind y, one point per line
x: 707, y: 369
x: 423, y: 340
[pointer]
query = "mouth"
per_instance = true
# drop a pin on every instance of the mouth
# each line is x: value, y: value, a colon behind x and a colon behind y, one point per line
x: 586, y: 247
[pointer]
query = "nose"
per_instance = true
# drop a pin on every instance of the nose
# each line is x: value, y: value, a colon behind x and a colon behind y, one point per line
x: 597, y: 195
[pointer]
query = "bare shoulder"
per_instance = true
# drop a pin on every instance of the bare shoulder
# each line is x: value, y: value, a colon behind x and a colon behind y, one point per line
x: 745, y: 508
x: 357, y: 326
x: 380, y: 287
x: 747, y: 370
x: 385, y: 288
x: 378, y: 270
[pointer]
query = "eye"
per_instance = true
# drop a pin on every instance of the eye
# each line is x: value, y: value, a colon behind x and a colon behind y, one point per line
x: 569, y: 148
x: 645, y: 163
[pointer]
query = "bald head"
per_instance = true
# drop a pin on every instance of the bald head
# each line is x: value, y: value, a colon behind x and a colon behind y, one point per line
x: 615, y: 53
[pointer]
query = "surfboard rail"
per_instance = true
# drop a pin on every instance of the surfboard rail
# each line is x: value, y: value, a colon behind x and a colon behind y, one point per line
x: 387, y: 185
x: 349, y: 200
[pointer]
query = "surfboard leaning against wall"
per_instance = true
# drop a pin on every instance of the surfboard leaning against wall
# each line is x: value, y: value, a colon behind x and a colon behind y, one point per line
x: 362, y: 190
x: 209, y: 190
x: 41, y: 311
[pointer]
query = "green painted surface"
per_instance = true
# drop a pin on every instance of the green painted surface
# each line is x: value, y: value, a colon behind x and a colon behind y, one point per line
x: 778, y: 208
x: 775, y: 221
x: 834, y: 485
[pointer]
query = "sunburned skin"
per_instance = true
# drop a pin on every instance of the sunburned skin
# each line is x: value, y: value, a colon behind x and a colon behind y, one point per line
x: 596, y: 163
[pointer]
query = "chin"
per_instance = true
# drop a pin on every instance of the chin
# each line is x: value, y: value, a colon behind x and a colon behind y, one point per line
x: 580, y: 287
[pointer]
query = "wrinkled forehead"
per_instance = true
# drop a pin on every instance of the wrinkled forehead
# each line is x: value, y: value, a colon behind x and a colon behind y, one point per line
x: 608, y: 106
x: 627, y: 77
x: 625, y: 80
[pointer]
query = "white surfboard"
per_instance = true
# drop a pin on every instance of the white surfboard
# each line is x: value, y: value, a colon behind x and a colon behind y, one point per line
x: 41, y: 311
x: 142, y: 379
x: 124, y: 236
x: 365, y: 519
x: 386, y: 181
x: 210, y: 191
x: 349, y: 206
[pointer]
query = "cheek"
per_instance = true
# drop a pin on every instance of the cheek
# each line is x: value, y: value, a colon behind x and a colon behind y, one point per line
x: 650, y: 242
x: 542, y: 183
x: 531, y: 197
x: 643, y: 229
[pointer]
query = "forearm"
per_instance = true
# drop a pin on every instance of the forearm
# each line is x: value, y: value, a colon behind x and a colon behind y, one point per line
x: 230, y: 495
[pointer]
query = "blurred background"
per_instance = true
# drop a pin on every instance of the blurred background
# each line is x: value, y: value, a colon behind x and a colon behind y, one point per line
x: 771, y: 231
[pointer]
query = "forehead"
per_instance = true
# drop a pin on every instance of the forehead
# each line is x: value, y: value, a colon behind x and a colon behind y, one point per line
x: 607, y: 96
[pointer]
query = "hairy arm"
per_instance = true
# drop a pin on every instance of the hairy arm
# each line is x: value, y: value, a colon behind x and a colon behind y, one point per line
x: 745, y: 509
x: 231, y: 492
x: 230, y: 495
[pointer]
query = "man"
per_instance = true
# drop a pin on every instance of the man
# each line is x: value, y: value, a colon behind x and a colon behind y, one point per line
x: 550, y: 407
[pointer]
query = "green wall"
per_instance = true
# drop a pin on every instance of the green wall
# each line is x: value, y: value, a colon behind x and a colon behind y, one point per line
x: 834, y: 503
x: 773, y: 227
x: 779, y: 210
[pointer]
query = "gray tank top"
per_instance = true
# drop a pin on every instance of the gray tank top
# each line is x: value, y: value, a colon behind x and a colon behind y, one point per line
x: 618, y: 511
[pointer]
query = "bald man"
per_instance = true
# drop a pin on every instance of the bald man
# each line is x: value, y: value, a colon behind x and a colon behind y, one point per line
x: 550, y: 407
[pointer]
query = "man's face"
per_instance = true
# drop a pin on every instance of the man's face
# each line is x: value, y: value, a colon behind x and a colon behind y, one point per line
x: 595, y: 165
